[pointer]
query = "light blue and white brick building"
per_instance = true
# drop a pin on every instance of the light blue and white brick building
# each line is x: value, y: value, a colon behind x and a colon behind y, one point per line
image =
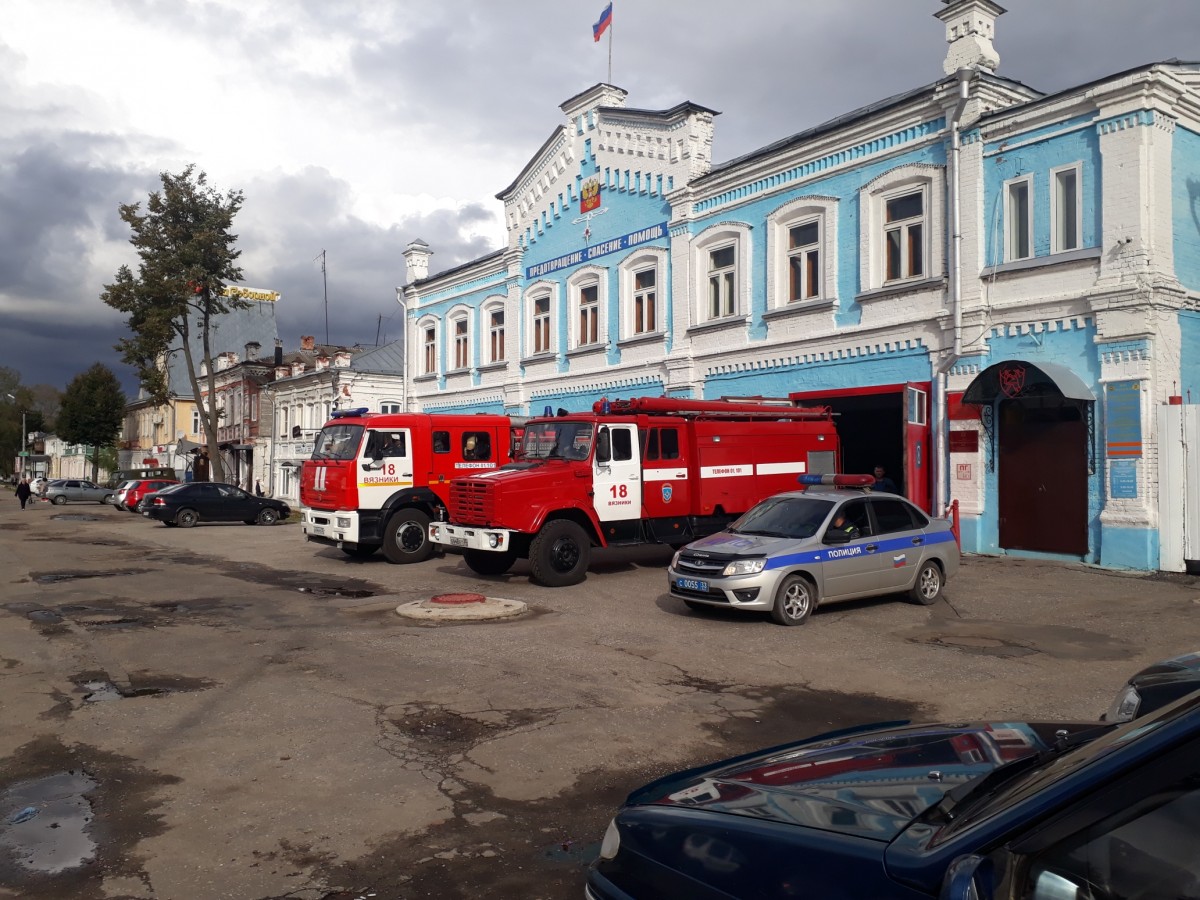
x: 996, y: 289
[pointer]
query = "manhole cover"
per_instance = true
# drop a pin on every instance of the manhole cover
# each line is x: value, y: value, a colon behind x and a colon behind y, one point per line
x: 457, y: 599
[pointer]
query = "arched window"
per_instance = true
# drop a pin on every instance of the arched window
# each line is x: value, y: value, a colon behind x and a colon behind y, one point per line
x: 721, y: 267
x: 802, y: 252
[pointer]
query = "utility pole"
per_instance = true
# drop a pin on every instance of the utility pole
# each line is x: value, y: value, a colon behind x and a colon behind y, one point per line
x: 325, y: 290
x: 23, y: 456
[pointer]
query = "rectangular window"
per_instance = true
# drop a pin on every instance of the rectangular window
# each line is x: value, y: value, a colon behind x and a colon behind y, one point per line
x: 389, y: 408
x: 430, y: 343
x: 722, y: 272
x: 589, y: 315
x: 460, y: 344
x: 1066, y: 210
x: 663, y: 443
x: 622, y: 444
x: 804, y: 261
x: 441, y: 442
x: 1018, y: 213
x: 904, y: 237
x: 645, y: 313
x: 196, y: 421
x: 541, y: 324
x: 496, y: 334
x: 476, y: 445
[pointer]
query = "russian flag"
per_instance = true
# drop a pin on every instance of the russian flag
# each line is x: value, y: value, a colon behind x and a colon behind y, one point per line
x: 602, y: 25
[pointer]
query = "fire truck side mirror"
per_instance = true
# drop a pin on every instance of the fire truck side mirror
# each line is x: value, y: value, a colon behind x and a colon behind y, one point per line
x: 603, y: 446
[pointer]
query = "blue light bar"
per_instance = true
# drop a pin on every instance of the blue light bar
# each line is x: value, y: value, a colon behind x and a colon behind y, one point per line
x: 350, y: 413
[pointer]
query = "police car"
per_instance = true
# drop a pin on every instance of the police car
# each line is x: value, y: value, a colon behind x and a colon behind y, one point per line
x: 836, y: 539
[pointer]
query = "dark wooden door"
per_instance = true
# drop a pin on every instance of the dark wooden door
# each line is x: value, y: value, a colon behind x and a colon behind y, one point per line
x: 1042, y: 469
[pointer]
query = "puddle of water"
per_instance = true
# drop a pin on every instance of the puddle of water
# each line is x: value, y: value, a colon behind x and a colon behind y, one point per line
x: 55, y: 577
x: 100, y: 691
x: 75, y: 517
x: 55, y: 838
x: 336, y: 592
x: 44, y: 617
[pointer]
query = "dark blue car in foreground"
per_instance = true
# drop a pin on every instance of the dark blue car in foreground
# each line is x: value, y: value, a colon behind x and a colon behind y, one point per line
x: 1086, y: 811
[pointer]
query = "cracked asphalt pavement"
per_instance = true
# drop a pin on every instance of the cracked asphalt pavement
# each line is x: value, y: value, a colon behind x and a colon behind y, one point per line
x: 257, y: 721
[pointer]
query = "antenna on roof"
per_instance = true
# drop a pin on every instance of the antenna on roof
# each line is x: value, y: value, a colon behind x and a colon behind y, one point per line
x: 325, y: 290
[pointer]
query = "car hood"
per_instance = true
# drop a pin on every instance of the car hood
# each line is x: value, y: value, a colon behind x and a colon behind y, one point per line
x: 868, y: 783
x: 727, y: 543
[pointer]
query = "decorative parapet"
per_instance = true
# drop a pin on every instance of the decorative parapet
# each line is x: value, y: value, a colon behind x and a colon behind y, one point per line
x: 822, y: 357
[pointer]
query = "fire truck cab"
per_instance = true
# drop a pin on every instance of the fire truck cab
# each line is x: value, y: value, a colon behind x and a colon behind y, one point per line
x: 645, y: 470
x: 375, y: 481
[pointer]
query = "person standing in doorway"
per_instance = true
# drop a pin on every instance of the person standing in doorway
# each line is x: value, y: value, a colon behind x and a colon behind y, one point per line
x: 24, y: 491
x: 883, y: 483
x: 258, y: 491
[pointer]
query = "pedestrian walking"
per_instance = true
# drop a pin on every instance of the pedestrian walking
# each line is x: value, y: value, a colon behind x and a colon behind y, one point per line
x: 24, y: 491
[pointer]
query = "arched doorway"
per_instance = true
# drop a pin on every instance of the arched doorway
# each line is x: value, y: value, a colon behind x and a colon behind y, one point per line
x: 1040, y: 433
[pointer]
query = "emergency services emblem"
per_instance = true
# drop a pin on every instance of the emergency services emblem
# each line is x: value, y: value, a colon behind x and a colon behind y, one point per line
x: 1012, y: 380
x: 667, y: 493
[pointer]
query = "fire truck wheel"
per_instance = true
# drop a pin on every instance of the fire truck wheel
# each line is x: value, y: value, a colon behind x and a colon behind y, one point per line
x: 488, y: 562
x: 558, y: 556
x: 794, y: 601
x: 406, y: 537
x: 928, y: 586
x: 360, y: 551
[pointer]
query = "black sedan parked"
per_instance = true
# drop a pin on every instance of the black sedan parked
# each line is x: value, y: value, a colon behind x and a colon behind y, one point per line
x: 203, y: 501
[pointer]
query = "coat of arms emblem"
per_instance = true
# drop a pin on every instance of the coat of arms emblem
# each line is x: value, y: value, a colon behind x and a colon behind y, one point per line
x: 1012, y: 381
x: 667, y: 493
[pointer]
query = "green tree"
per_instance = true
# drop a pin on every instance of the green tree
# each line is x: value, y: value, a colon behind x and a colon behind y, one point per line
x: 188, y: 258
x: 92, y: 410
x: 19, y: 415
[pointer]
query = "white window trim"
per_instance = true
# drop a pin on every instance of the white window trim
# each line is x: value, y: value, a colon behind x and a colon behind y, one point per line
x: 587, y: 276
x: 453, y: 317
x: 1009, y: 249
x: 713, y: 238
x: 896, y: 182
x: 643, y: 258
x: 534, y: 291
x: 797, y: 212
x: 422, y: 326
x: 1056, y: 212
x: 385, y: 407
x: 491, y: 305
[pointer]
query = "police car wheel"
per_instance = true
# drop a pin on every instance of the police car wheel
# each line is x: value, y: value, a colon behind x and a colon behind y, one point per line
x: 794, y: 601
x: 928, y: 587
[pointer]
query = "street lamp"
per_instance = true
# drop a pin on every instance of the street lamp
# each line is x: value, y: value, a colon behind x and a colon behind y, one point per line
x: 24, y: 457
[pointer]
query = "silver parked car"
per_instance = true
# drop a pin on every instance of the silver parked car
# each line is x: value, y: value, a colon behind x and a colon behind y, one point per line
x: 72, y: 490
x: 795, y: 550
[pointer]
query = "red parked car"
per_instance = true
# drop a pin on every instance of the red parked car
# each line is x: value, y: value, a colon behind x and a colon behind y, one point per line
x: 133, y: 492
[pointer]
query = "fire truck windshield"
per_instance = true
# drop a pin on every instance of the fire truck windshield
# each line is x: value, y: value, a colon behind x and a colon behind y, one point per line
x: 338, y: 442
x: 558, y: 440
x: 784, y: 517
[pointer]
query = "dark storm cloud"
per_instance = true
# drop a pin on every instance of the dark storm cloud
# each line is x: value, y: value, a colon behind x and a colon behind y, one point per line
x: 288, y: 221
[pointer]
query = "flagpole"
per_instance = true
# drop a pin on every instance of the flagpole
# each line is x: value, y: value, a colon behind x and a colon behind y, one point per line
x: 610, y: 32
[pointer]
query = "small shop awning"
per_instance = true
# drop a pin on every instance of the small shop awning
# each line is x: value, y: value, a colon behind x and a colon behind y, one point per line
x: 1016, y: 378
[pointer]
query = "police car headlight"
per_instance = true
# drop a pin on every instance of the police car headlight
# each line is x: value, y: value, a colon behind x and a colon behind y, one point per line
x: 1125, y: 707
x: 744, y: 567
x: 612, y: 841
x: 675, y: 559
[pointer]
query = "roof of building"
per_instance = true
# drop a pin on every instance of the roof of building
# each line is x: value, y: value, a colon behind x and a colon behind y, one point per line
x: 385, y: 360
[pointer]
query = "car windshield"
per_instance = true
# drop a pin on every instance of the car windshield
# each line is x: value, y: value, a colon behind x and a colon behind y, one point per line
x: 983, y: 803
x: 559, y: 440
x: 338, y: 442
x: 787, y: 517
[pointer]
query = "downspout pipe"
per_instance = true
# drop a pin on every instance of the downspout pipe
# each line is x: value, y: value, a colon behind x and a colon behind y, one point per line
x: 954, y: 202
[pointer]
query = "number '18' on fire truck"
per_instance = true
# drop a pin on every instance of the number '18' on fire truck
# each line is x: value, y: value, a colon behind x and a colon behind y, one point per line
x: 377, y: 480
x: 646, y: 470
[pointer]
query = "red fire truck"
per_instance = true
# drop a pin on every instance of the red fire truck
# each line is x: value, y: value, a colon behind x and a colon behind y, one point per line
x: 646, y: 470
x: 377, y: 480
